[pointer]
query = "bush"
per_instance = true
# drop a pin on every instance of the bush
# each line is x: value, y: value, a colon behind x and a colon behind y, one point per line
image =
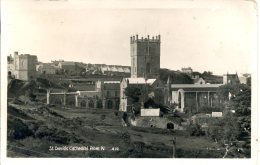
x: 207, y: 109
x: 139, y: 146
x: 102, y: 117
x: 195, y: 130
x: 17, y: 129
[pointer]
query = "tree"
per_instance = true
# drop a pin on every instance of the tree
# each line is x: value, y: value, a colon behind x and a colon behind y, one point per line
x: 133, y: 92
x: 242, y: 101
x: 224, y: 91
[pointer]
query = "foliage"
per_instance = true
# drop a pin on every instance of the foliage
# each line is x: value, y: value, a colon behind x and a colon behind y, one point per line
x: 195, y: 130
x: 159, y: 95
x: 224, y: 129
x: 208, y: 109
x: 102, y: 117
x: 133, y: 92
x: 242, y: 101
x: 17, y: 129
x: 176, y: 77
x: 207, y: 73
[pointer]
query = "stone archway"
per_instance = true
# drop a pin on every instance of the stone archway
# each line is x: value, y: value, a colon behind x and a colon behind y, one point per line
x: 180, y: 100
x: 99, y: 104
x: 170, y: 126
x: 83, y: 103
x: 117, y: 102
x: 58, y: 101
x: 71, y: 103
x: 109, y: 104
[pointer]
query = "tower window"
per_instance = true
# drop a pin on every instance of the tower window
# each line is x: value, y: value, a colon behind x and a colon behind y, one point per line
x: 148, y: 49
x: 148, y: 69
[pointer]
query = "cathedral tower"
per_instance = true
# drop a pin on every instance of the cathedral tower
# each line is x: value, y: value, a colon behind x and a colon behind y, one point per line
x: 145, y: 56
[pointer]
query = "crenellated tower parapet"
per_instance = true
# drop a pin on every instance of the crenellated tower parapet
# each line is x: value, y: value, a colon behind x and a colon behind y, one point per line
x: 136, y: 38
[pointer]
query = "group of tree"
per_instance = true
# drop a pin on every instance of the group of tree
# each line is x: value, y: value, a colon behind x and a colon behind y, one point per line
x: 176, y: 77
x: 233, y: 130
x: 235, y: 126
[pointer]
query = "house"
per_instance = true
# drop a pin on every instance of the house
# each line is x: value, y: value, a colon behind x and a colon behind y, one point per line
x: 46, y: 68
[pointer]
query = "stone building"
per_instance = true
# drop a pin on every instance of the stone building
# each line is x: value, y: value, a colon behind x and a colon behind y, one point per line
x: 194, y: 96
x: 145, y: 56
x: 100, y: 95
x: 46, y: 68
x: 68, y: 66
x: 187, y: 70
x: 230, y: 79
x: 22, y: 66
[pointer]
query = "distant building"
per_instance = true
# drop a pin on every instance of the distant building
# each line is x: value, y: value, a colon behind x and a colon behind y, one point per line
x: 245, y: 78
x: 194, y: 96
x: 230, y: 79
x: 187, y: 70
x: 145, y: 56
x: 99, y: 94
x: 199, y: 81
x: 68, y: 66
x: 46, y: 68
x: 22, y: 66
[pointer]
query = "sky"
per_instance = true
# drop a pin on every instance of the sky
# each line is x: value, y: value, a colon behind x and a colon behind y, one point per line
x: 217, y: 36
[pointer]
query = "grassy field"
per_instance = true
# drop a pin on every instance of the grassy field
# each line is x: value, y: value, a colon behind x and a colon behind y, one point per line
x: 42, y: 131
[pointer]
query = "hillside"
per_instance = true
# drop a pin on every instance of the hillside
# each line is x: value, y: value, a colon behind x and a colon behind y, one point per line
x: 34, y: 130
x: 178, y: 77
x: 175, y: 76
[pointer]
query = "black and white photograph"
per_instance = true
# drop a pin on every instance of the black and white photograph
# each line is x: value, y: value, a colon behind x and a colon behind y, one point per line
x: 129, y: 79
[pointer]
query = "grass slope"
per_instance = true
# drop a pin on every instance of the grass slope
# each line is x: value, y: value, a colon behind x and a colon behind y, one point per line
x: 32, y: 130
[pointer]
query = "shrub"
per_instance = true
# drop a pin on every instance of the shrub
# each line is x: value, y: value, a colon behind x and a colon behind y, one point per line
x: 102, y: 117
x: 195, y: 130
x: 17, y: 129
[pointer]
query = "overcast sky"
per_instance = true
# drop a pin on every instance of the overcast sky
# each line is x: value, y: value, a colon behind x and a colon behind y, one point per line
x: 219, y: 36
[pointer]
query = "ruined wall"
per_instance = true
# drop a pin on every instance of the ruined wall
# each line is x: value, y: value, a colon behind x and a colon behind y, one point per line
x: 156, y: 122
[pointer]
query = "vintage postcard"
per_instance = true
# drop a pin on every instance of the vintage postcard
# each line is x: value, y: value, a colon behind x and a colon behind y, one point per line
x: 129, y: 79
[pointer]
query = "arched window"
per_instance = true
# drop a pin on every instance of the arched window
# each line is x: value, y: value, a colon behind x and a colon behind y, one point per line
x: 179, y: 100
x: 99, y: 104
x: 71, y: 103
x: 109, y: 104
x: 91, y: 104
x: 57, y: 101
x: 148, y: 68
x: 170, y: 126
x: 83, y: 103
